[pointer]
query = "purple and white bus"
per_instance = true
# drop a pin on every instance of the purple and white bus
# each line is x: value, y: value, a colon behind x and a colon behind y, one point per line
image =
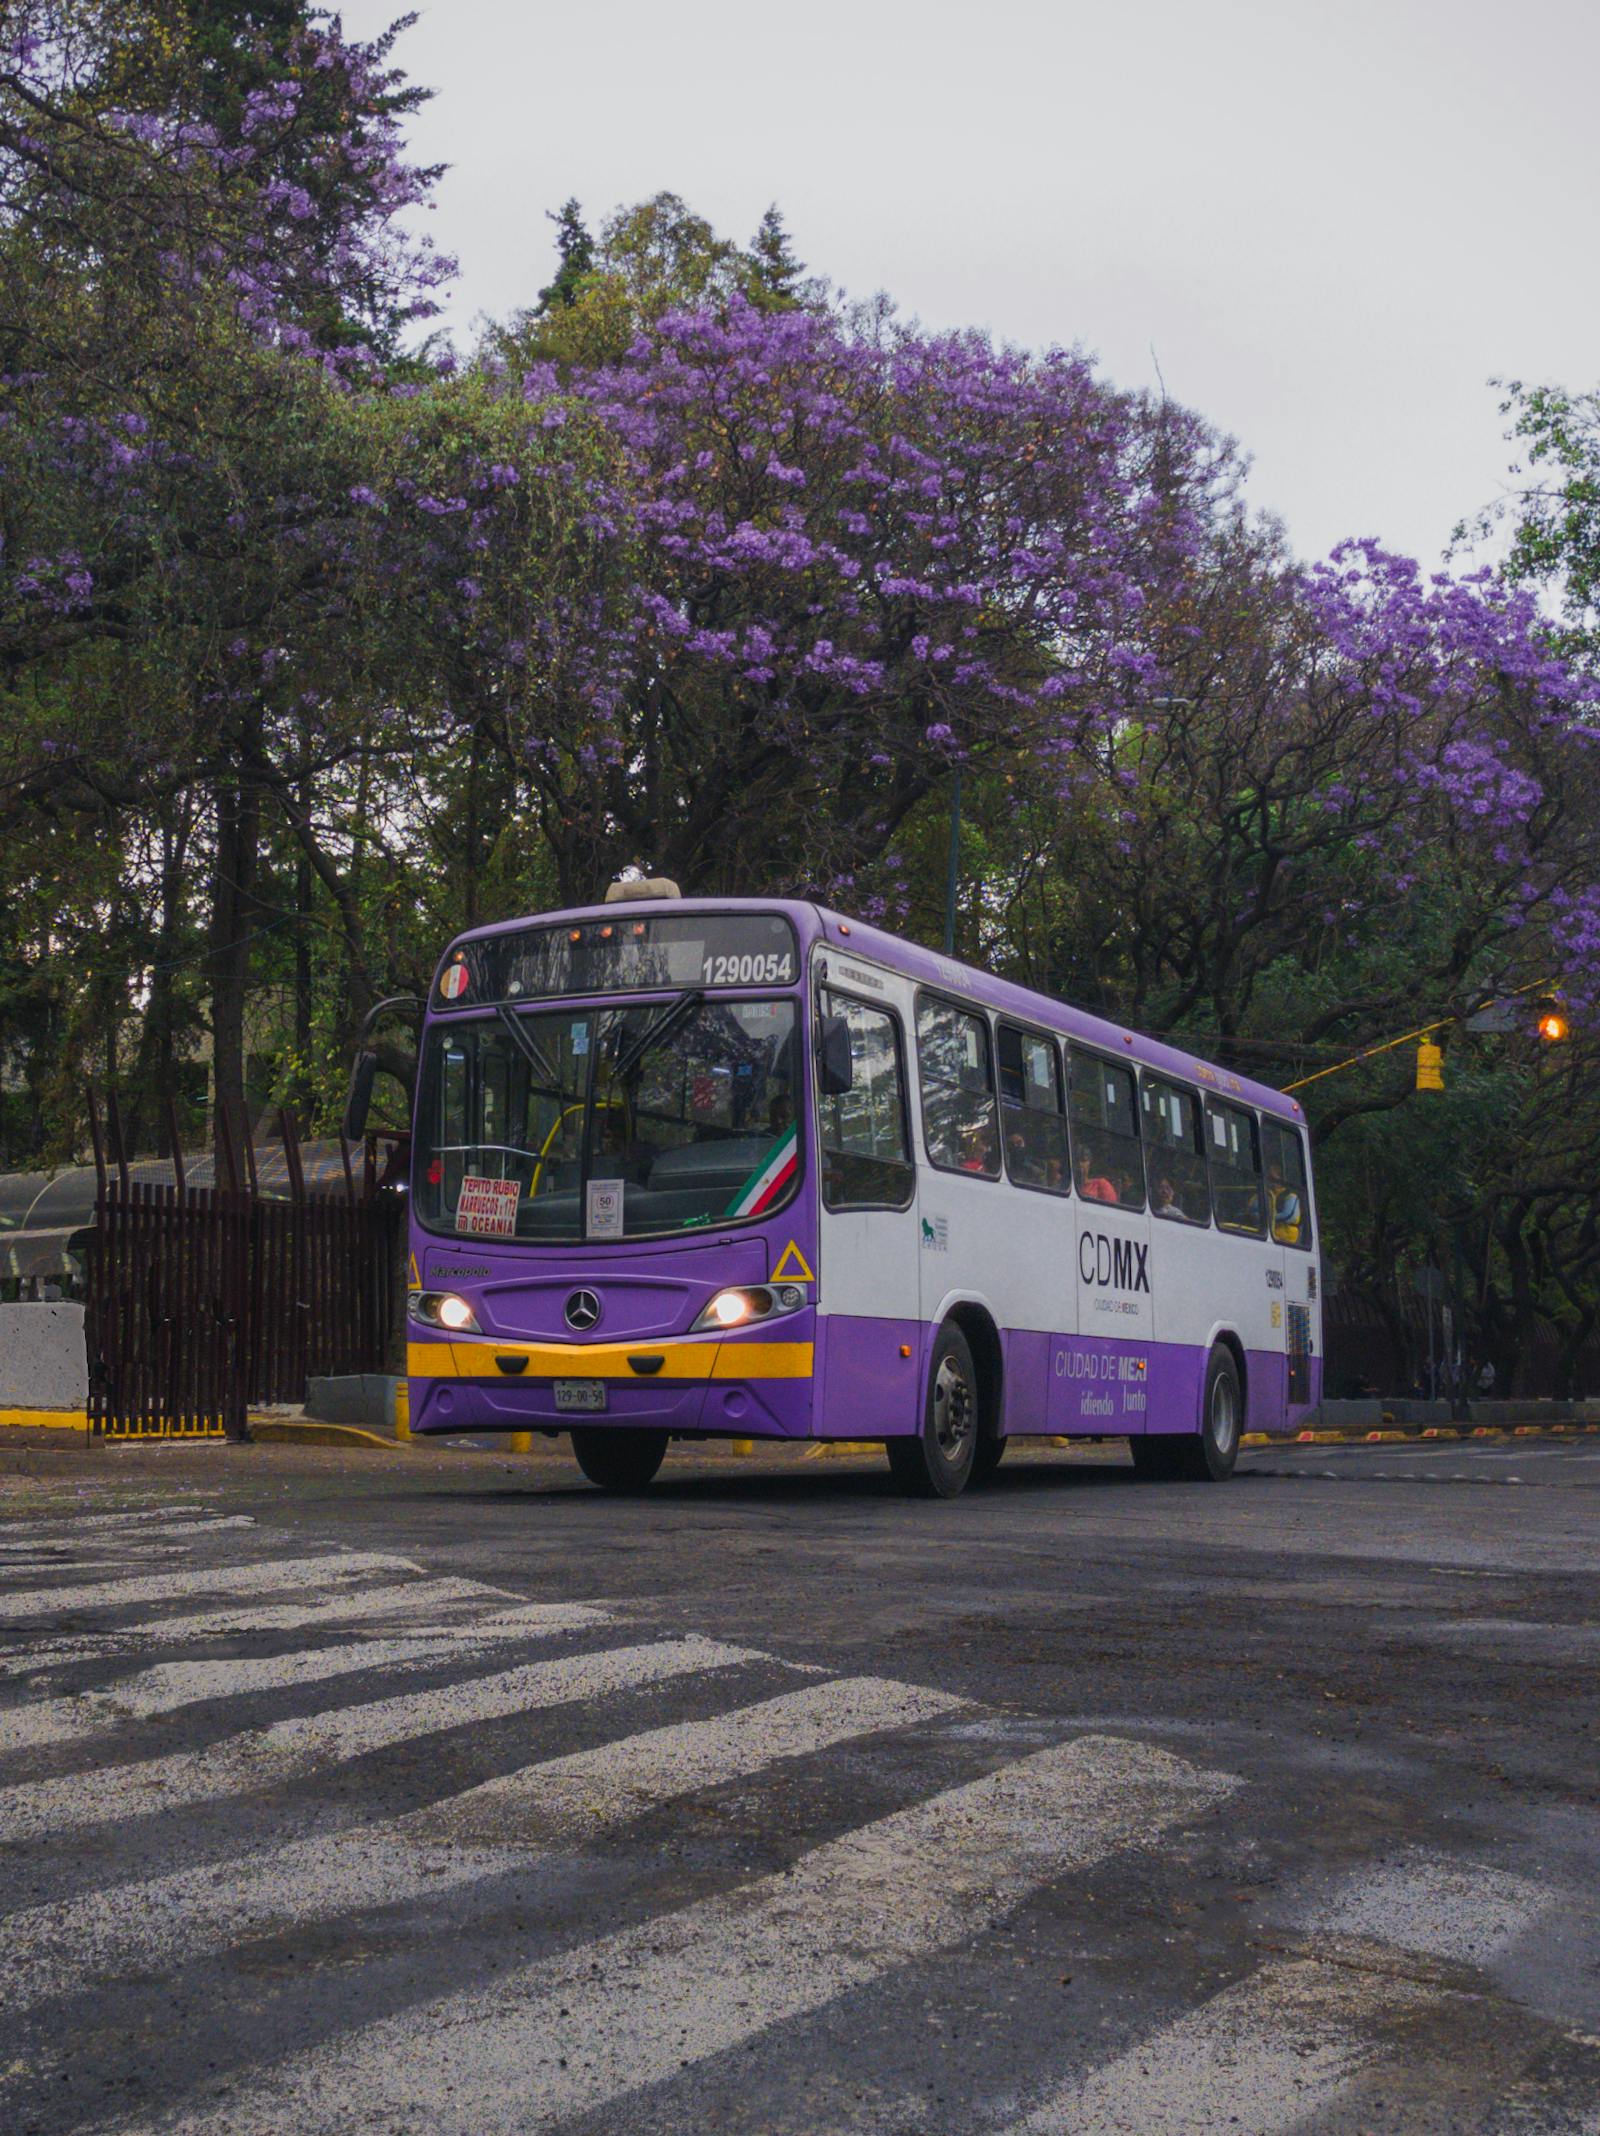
x: 686, y: 1167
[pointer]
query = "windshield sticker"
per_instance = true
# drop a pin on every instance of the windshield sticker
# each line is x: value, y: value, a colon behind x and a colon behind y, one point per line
x: 605, y: 1208
x: 771, y: 1179
x: 454, y: 981
x: 488, y: 1207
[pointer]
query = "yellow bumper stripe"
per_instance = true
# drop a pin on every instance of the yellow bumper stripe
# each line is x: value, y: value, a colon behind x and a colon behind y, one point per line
x: 561, y: 1360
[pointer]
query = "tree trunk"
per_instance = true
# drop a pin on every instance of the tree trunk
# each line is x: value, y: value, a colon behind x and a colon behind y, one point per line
x: 237, y: 800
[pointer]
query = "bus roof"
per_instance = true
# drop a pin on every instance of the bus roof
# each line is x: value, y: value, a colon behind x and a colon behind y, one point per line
x: 949, y: 974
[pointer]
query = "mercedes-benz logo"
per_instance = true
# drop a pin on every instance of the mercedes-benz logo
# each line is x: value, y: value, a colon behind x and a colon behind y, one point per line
x: 583, y: 1309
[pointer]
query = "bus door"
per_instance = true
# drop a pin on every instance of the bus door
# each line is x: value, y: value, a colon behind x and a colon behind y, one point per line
x: 1105, y: 1377
x: 1193, y: 1280
x: 1288, y: 1211
x: 867, y: 1219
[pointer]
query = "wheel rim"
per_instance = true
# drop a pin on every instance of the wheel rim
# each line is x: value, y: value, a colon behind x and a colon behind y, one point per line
x: 1224, y: 1414
x: 952, y: 1409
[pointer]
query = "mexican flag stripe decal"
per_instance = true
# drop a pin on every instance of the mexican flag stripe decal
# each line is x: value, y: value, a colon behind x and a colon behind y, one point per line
x: 770, y: 1180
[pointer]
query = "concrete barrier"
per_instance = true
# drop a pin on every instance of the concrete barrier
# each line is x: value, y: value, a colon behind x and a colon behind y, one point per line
x: 42, y: 1360
x: 1504, y: 1413
x: 1365, y: 1414
x: 374, y: 1399
x: 1407, y: 1409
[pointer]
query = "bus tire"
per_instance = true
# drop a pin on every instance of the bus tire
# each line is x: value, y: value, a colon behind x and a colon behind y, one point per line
x: 990, y: 1452
x: 1209, y: 1456
x: 1205, y: 1456
x: 618, y: 1457
x: 937, y: 1462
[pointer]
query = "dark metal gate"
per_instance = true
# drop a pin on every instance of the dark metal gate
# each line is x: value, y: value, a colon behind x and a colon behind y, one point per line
x: 205, y: 1299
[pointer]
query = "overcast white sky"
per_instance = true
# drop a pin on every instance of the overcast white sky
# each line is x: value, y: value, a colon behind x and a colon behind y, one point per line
x: 1332, y: 220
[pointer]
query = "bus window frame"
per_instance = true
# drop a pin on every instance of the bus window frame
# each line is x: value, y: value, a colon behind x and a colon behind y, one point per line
x: 1072, y: 1047
x: 983, y: 1018
x: 1250, y: 1113
x: 825, y: 986
x: 1162, y: 1080
x: 1051, y: 1040
x: 1306, y: 1243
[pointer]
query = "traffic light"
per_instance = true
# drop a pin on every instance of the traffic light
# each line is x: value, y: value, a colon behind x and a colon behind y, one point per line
x: 1551, y: 1023
x: 1430, y: 1066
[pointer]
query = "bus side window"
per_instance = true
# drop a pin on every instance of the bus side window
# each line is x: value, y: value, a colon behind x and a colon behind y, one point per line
x: 1287, y: 1201
x: 958, y: 1109
x: 864, y: 1150
x: 1234, y: 1152
x: 1107, y: 1164
x: 1174, y: 1152
x: 1032, y: 1123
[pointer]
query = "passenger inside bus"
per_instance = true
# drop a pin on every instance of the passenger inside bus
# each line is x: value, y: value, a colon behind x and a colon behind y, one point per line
x: 1094, y: 1186
x: 1285, y: 1204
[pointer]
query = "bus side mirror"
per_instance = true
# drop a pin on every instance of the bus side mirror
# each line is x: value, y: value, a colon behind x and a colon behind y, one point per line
x: 835, y: 1070
x: 358, y: 1100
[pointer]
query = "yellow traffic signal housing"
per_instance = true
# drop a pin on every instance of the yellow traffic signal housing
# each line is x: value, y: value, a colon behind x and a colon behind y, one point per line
x: 1430, y: 1066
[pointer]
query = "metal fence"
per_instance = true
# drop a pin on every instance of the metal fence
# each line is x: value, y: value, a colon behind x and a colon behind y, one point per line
x: 204, y: 1300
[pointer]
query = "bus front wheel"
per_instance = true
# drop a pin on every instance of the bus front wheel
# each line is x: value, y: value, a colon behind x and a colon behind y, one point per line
x: 618, y: 1458
x: 938, y: 1460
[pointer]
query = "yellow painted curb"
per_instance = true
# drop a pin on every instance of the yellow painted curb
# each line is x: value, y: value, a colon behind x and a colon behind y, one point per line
x: 742, y: 1446
x: 1487, y: 1431
x: 306, y: 1432
x: 1256, y: 1438
x: 1441, y: 1431
x: 1319, y: 1438
x: 1372, y: 1436
x: 45, y: 1419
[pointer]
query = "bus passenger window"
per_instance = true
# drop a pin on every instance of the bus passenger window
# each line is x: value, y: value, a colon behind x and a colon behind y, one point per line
x: 1174, y: 1155
x: 958, y: 1109
x: 1288, y: 1206
x: 1108, y: 1165
x: 1032, y: 1123
x: 864, y: 1150
x: 1234, y: 1153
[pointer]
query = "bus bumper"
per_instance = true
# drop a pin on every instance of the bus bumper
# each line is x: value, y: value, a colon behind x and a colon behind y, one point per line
x: 747, y: 1389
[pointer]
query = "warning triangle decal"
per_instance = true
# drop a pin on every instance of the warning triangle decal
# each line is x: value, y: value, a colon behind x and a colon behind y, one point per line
x: 792, y: 1254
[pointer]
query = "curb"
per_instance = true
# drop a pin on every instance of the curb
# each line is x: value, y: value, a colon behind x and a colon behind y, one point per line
x: 1428, y: 1433
x: 296, y: 1431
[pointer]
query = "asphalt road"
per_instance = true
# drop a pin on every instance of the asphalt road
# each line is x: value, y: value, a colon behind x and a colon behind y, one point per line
x: 429, y: 1792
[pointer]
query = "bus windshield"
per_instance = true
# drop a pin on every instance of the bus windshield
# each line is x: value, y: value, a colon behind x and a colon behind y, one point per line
x: 626, y: 1122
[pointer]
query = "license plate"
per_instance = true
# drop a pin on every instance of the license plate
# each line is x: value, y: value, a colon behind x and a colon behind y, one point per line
x: 580, y: 1394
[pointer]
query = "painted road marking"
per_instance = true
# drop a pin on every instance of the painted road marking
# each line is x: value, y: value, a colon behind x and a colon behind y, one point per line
x: 408, y: 1598
x: 261, y: 1757
x: 173, y: 1684
x: 197, y: 1913
x: 218, y: 1579
x: 619, y: 1780
x: 586, y: 2028
x: 1278, y: 2046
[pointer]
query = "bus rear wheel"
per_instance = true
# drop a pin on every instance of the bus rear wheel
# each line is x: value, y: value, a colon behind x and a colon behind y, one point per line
x: 1206, y: 1456
x: 938, y: 1460
x: 618, y: 1458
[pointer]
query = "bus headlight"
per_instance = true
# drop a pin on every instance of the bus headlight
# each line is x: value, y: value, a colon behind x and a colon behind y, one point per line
x: 443, y: 1309
x: 751, y: 1302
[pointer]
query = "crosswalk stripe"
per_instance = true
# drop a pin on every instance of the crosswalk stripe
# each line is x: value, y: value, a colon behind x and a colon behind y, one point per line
x: 72, y: 1523
x: 216, y: 1579
x: 262, y: 1757
x: 195, y: 1913
x: 363, y: 1604
x: 1280, y: 2044
x: 584, y: 2029
x: 173, y: 1684
x: 1253, y: 2060
x: 618, y: 1780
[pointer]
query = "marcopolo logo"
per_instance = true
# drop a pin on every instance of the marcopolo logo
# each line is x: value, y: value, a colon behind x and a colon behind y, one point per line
x: 1115, y: 1264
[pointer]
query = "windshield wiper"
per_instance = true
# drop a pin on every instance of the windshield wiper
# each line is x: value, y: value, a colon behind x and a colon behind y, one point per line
x: 530, y: 1049
x: 675, y: 1013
